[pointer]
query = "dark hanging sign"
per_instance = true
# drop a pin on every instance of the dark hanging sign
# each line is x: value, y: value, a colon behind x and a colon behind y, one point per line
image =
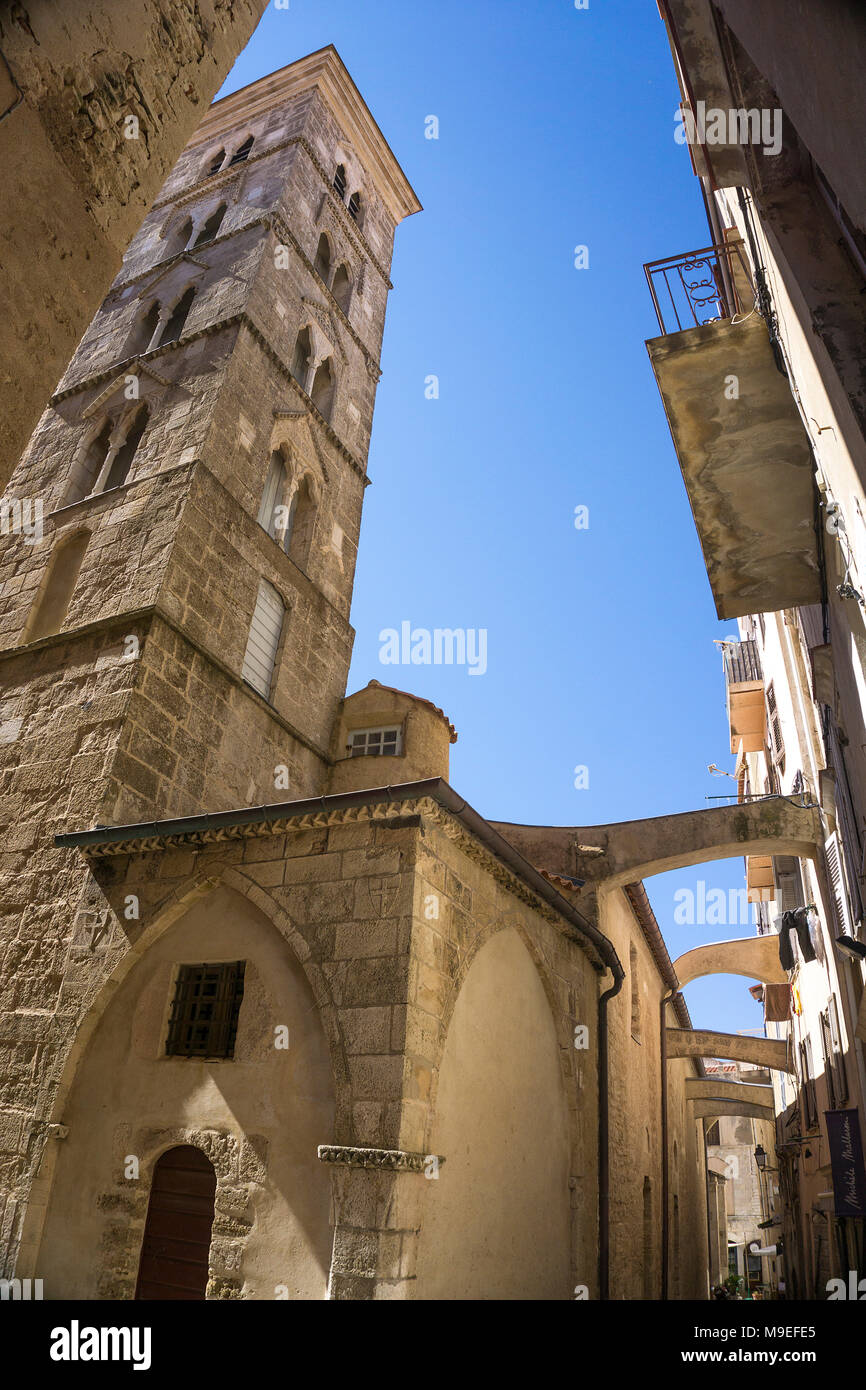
x: 846, y: 1157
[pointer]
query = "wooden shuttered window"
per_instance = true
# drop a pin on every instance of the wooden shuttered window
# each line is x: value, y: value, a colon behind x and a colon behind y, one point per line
x: 264, y: 640
x: 774, y: 729
x: 808, y: 1096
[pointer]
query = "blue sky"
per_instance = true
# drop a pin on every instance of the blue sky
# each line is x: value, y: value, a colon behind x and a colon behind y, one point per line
x: 556, y: 129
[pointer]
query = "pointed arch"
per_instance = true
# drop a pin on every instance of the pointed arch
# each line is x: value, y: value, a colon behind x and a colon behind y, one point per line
x: 136, y: 424
x: 242, y: 152
x: 88, y: 462
x: 211, y: 227
x: 355, y: 208
x: 51, y: 605
x: 340, y: 182
x: 177, y: 321
x: 177, y: 238
x: 142, y: 334
x: 216, y: 163
x: 301, y: 355
x: 274, y: 494
x: 208, y: 918
x: 301, y: 528
x: 341, y: 287
x: 322, y: 263
x: 323, y: 388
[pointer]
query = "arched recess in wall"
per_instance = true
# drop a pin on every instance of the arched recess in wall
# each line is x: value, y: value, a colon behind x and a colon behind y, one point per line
x: 301, y: 356
x: 178, y: 240
x: 341, y: 288
x: 211, y: 227
x: 497, y: 1221
x: 142, y: 333
x: 55, y: 592
x: 322, y: 262
x: 323, y: 387
x: 177, y: 321
x: 88, y: 463
x: 302, y: 522
x: 259, y: 1114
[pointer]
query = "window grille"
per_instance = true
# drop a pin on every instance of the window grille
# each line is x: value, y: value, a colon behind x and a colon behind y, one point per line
x: 204, y: 1011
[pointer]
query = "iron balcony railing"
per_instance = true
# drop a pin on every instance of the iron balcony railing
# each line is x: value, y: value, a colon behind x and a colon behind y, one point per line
x: 742, y: 662
x: 699, y: 287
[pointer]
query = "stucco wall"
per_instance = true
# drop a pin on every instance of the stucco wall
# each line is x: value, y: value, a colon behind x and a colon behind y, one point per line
x: 259, y: 1117
x: 497, y: 1223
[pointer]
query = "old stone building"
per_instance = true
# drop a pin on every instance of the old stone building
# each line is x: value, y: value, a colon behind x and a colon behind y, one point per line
x: 275, y: 1024
x: 96, y: 104
x: 759, y: 364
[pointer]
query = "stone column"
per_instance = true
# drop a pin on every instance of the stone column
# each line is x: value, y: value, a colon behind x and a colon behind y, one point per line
x: 378, y: 1198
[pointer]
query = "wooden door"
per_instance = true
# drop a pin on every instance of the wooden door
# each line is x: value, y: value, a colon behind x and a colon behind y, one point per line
x: 174, y: 1252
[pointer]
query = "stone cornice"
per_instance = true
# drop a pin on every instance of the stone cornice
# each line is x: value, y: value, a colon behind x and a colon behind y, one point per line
x: 326, y: 72
x: 384, y: 805
x: 392, y: 1160
x: 244, y: 320
x: 273, y: 222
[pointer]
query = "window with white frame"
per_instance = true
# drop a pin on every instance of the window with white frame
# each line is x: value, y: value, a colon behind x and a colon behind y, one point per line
x: 378, y: 742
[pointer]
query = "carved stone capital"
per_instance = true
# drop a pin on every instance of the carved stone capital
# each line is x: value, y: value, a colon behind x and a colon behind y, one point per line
x: 393, y: 1160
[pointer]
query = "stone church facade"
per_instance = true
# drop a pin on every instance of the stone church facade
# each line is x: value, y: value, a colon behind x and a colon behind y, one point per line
x: 275, y: 1024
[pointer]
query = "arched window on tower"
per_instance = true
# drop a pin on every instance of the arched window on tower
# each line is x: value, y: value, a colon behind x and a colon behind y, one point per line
x: 242, y: 152
x: 322, y: 263
x: 341, y: 288
x: 55, y: 592
x: 175, y: 325
x: 355, y: 207
x: 178, y: 240
x: 142, y: 335
x: 301, y: 357
x: 302, y: 522
x: 211, y: 226
x: 88, y: 466
x: 273, y: 497
x: 216, y: 163
x: 119, y: 470
x: 322, y: 391
x: 340, y: 182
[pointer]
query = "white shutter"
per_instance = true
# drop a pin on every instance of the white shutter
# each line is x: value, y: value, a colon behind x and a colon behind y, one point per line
x: 264, y: 639
x: 837, y: 886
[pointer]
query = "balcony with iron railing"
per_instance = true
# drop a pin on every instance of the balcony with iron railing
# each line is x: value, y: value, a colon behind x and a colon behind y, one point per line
x: 741, y: 445
x: 699, y: 287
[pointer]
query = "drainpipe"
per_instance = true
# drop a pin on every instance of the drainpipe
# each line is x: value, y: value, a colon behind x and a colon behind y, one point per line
x: 604, y: 1140
x: 663, y: 1038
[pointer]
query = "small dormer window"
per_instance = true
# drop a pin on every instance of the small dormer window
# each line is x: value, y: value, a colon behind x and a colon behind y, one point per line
x: 375, y: 742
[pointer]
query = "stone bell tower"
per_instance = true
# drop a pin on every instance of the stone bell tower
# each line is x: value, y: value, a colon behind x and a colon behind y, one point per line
x: 178, y: 639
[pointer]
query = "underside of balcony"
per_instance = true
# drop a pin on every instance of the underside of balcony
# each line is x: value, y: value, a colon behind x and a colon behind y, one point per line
x: 745, y: 461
